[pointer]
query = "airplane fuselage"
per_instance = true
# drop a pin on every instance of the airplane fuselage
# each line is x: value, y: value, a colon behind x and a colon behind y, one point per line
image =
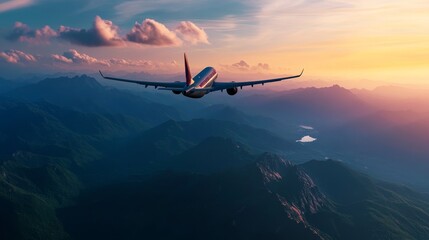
x: 204, y: 79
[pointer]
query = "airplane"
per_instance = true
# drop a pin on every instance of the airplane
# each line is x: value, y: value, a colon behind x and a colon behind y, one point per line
x: 202, y: 84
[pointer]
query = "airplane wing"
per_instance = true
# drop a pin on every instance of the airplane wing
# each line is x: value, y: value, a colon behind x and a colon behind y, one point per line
x: 166, y: 85
x: 225, y: 85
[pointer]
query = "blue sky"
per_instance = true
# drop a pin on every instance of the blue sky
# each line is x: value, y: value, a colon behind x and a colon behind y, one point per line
x: 124, y: 13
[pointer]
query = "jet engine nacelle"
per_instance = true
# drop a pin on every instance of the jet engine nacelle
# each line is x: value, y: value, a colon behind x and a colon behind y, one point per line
x: 177, y: 92
x: 232, y: 91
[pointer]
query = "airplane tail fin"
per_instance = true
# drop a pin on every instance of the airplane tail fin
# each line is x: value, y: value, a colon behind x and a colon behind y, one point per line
x: 189, y: 80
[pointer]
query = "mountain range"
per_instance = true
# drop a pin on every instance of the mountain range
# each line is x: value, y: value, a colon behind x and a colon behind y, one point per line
x: 79, y: 160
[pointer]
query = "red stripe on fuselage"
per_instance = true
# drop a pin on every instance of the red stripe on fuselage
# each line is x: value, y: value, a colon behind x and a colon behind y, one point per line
x: 207, y: 79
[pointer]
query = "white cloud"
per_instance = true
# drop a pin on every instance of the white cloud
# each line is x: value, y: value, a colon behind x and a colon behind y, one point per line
x: 73, y: 56
x: 306, y: 139
x: 192, y: 33
x: 306, y: 127
x: 151, y: 32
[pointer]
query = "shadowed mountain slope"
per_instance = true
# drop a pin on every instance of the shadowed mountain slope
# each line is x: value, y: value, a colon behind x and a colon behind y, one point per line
x: 84, y: 93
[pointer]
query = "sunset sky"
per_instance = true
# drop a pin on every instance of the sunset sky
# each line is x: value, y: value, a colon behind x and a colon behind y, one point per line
x: 355, y: 41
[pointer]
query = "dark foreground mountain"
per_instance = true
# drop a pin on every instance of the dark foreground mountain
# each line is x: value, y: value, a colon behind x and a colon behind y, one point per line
x: 269, y: 198
x: 265, y: 199
x: 43, y: 150
x: 205, y: 158
x: 366, y: 208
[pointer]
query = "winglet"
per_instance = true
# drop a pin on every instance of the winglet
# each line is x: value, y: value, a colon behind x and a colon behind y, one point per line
x: 187, y: 72
x: 301, y: 72
x: 101, y: 73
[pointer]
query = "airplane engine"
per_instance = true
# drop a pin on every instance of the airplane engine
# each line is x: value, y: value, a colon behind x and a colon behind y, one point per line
x: 176, y: 92
x: 232, y: 91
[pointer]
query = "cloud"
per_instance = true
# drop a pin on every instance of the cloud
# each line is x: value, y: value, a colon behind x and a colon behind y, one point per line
x: 142, y: 64
x: 102, y: 33
x: 262, y: 66
x: 306, y: 139
x: 151, y: 32
x: 61, y: 58
x: 306, y: 127
x: 73, y: 56
x: 105, y: 33
x: 243, y: 66
x: 15, y: 56
x: 192, y: 33
x: 131, y: 63
x: 22, y: 33
x: 14, y: 4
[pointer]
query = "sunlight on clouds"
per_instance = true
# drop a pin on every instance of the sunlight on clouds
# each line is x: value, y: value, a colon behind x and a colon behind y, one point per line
x: 14, y: 4
x: 151, y: 32
x: 16, y: 56
x: 102, y: 33
x: 73, y: 56
x: 73, y: 59
x: 192, y: 33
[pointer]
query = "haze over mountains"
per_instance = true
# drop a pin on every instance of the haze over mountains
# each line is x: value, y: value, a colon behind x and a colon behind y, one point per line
x: 81, y: 160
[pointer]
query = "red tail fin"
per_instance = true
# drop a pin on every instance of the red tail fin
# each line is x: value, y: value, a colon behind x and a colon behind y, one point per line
x: 187, y: 72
